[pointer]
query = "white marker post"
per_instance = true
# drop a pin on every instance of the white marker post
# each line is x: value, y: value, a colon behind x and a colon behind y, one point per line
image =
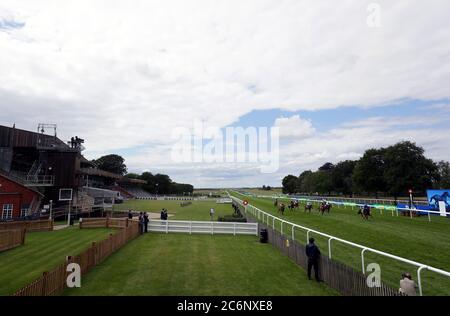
x: 442, y: 208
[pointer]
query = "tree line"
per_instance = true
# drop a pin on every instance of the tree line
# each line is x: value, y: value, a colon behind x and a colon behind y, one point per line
x: 155, y: 184
x: 392, y: 171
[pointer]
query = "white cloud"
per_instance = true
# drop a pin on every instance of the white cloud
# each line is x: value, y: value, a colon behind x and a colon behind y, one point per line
x: 124, y: 74
x: 294, y: 127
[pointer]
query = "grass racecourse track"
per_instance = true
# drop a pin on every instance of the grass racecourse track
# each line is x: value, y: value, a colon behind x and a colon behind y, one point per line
x: 198, y: 265
x: 42, y: 252
x: 415, y: 239
x: 197, y: 211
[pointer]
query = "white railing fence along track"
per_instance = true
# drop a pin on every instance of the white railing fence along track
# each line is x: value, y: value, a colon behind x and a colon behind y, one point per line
x: 270, y: 219
x: 389, y: 208
x: 196, y: 227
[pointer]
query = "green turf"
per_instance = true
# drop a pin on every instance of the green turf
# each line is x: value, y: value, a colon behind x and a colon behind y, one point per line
x: 203, y: 265
x: 415, y: 239
x: 42, y: 252
x: 197, y: 211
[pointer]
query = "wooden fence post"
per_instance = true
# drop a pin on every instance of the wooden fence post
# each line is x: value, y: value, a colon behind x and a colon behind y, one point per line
x: 94, y: 251
x: 107, y: 222
x: 44, y: 284
x: 24, y: 232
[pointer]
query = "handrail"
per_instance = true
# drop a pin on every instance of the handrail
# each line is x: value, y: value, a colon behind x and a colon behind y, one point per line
x: 420, y: 266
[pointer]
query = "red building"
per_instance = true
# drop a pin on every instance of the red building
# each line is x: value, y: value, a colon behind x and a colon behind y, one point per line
x: 17, y: 200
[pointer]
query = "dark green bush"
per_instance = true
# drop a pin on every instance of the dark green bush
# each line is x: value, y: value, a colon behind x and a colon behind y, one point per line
x: 232, y: 219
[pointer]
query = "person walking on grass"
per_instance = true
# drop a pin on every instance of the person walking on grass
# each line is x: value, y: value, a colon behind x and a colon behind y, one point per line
x: 313, y: 254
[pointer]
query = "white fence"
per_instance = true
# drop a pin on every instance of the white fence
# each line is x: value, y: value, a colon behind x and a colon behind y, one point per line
x: 211, y: 228
x: 393, y: 210
x: 270, y: 219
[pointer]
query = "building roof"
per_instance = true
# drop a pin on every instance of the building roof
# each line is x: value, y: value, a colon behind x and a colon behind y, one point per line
x: 18, y: 182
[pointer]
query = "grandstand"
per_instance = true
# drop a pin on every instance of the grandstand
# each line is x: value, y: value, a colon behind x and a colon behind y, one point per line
x: 137, y: 192
x: 46, y: 164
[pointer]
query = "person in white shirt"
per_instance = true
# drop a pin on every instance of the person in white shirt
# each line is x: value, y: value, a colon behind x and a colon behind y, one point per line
x: 211, y: 213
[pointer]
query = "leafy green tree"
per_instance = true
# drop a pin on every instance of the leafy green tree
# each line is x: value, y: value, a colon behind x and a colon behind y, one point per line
x: 322, y: 182
x: 304, y: 183
x: 444, y: 175
x: 327, y: 167
x: 132, y: 176
x: 341, y: 177
x: 111, y: 163
x: 289, y: 184
x: 368, y: 174
x: 406, y: 168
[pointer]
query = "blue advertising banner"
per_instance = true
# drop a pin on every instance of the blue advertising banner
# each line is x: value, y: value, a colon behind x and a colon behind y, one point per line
x: 436, y: 196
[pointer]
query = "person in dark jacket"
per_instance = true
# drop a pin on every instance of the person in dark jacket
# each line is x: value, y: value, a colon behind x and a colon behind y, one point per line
x: 313, y: 254
x: 130, y: 214
x: 146, y: 220
x: 141, y: 222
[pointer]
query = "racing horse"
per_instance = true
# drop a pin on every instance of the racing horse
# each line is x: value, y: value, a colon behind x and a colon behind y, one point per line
x: 281, y: 208
x: 308, y: 207
x: 365, y: 212
x: 293, y: 205
x: 325, y: 207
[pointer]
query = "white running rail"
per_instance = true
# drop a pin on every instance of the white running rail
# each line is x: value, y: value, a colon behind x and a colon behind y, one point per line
x: 391, y: 208
x: 211, y: 228
x: 265, y: 218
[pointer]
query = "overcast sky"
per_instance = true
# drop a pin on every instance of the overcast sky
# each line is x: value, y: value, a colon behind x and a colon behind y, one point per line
x: 124, y: 74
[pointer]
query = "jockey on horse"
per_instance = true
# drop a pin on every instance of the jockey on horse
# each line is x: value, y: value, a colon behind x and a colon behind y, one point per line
x: 325, y: 207
x: 365, y: 212
x: 308, y: 207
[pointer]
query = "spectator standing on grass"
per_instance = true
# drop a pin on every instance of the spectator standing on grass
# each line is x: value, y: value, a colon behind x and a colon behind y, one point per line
x: 130, y: 214
x: 162, y: 214
x: 146, y: 220
x: 166, y: 215
x: 407, y: 285
x: 313, y: 254
x: 141, y: 222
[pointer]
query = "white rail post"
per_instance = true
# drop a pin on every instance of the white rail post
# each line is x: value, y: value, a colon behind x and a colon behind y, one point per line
x: 419, y: 279
x: 273, y: 222
x: 362, y: 261
x: 190, y: 228
x: 429, y: 217
x: 329, y: 247
x: 281, y: 228
x: 293, y: 234
x: 212, y: 228
x: 234, y: 229
x: 307, y: 236
x: 167, y: 227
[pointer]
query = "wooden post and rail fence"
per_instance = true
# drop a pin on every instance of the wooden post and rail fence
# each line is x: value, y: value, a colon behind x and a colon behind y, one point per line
x: 55, y: 281
x: 12, y: 234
